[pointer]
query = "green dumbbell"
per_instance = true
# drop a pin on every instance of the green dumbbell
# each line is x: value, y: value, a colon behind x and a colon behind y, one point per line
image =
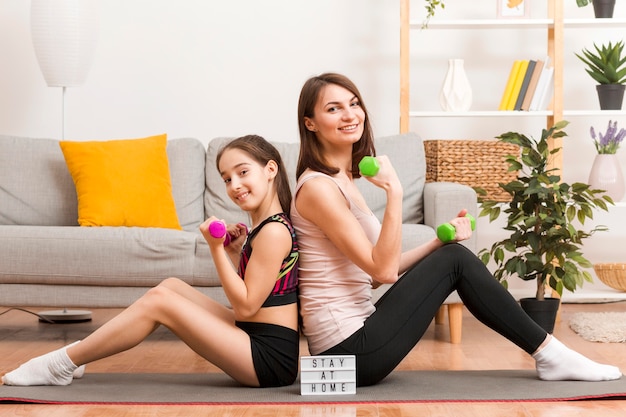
x: 446, y: 232
x: 369, y: 166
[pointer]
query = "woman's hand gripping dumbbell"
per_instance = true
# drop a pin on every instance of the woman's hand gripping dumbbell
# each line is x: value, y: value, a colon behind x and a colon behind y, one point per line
x: 446, y: 232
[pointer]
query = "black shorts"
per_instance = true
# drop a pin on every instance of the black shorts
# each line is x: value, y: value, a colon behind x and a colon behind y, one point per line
x: 275, y: 351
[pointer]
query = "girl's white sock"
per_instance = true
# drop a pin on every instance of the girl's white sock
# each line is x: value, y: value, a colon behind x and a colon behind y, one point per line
x: 54, y: 368
x: 557, y: 362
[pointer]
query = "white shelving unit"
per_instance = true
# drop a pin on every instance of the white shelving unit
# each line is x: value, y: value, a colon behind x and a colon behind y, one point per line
x: 408, y: 25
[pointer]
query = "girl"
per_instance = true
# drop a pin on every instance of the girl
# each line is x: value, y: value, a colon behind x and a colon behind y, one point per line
x: 256, y: 342
x: 345, y: 251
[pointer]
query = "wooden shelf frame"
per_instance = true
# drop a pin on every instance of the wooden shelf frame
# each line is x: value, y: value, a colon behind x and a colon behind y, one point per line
x: 553, y: 24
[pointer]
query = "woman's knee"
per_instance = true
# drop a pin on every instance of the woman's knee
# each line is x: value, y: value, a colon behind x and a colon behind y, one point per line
x: 455, y: 250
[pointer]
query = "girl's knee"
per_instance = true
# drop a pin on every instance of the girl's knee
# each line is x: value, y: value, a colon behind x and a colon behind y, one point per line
x: 156, y: 295
x: 171, y: 283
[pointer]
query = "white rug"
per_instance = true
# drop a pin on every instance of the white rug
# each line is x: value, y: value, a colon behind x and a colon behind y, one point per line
x: 600, y: 327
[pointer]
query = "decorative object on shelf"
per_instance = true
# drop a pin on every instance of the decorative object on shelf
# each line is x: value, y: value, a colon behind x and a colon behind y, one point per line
x: 64, y: 35
x: 513, y: 8
x: 431, y: 7
x: 473, y: 162
x: 607, y: 66
x: 601, y: 8
x: 456, y: 93
x: 606, y: 173
x: 545, y: 244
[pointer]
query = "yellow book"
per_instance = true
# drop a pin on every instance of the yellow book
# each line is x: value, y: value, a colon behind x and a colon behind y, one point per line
x: 517, y: 85
x: 509, y: 85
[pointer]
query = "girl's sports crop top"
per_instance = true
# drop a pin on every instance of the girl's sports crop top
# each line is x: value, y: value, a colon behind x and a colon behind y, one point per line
x: 285, y: 289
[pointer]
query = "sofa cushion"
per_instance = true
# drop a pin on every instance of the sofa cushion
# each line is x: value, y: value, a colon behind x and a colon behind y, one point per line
x: 186, y: 157
x: 406, y: 152
x: 122, y: 182
x: 35, y: 186
x: 37, y: 189
x: 105, y: 256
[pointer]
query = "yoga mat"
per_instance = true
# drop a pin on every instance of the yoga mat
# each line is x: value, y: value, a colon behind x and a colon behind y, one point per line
x: 400, y: 386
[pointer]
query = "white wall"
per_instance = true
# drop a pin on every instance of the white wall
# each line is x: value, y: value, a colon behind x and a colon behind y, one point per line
x: 206, y: 68
x: 202, y: 68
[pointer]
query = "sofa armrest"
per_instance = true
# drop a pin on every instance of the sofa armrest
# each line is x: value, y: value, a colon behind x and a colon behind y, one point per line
x: 444, y: 200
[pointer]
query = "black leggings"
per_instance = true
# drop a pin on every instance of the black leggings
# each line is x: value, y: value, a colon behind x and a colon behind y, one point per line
x: 406, y: 310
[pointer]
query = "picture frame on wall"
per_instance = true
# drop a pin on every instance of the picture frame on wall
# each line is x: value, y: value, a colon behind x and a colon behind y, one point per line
x: 513, y: 8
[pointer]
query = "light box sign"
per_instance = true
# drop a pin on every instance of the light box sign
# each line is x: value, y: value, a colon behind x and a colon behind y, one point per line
x: 328, y: 375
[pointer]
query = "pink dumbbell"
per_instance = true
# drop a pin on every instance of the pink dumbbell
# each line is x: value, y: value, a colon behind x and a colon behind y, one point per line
x: 217, y: 229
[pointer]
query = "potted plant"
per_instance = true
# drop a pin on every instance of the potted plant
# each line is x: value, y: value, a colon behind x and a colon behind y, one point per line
x: 607, y: 66
x: 431, y: 7
x: 601, y: 8
x: 545, y: 243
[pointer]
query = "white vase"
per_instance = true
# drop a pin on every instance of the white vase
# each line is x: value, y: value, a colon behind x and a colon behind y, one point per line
x: 456, y: 93
x: 606, y: 174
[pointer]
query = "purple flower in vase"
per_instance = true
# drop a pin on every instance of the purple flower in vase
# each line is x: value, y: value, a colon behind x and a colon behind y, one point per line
x: 609, y: 141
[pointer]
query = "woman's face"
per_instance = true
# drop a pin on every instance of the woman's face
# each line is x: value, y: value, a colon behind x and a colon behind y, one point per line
x: 247, y: 182
x: 338, y: 117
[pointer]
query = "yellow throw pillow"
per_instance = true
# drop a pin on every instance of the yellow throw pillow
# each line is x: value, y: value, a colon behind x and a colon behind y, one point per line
x: 122, y: 182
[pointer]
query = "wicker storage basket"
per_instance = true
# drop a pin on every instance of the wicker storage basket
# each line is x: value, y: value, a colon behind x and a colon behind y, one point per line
x: 613, y: 275
x: 477, y: 163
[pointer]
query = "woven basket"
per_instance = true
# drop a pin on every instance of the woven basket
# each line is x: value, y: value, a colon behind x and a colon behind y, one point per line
x: 613, y: 275
x: 477, y: 163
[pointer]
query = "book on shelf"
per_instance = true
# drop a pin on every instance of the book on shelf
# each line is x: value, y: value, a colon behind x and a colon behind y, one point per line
x: 532, y: 85
x: 529, y: 87
x: 508, y: 88
x: 548, y: 91
x: 517, y: 85
x: 524, y: 87
x: 545, y: 87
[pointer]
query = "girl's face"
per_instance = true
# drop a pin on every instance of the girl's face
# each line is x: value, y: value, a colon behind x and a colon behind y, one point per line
x: 248, y: 183
x: 338, y: 116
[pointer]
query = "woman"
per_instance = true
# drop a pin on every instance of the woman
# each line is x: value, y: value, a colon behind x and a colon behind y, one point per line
x: 257, y: 342
x: 345, y: 251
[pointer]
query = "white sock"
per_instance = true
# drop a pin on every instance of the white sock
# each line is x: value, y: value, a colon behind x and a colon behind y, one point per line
x: 557, y: 362
x: 54, y: 368
x: 80, y: 371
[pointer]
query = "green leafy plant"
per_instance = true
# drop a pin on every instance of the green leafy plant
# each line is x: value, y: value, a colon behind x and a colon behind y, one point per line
x: 544, y: 244
x: 606, y: 65
x: 431, y: 8
x: 582, y: 3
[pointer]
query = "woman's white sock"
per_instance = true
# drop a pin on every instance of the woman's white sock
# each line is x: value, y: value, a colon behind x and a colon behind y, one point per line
x: 54, y: 368
x: 557, y: 362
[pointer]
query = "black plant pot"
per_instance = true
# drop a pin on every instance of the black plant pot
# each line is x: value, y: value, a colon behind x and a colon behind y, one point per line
x: 611, y: 96
x: 543, y: 312
x: 603, y: 8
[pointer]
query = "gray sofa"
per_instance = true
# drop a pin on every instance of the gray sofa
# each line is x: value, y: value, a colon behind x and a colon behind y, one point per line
x: 47, y: 260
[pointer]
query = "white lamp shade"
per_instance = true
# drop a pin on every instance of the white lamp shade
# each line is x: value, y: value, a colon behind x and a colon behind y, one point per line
x: 64, y: 34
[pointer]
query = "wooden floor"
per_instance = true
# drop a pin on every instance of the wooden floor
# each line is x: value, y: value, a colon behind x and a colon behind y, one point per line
x: 22, y: 337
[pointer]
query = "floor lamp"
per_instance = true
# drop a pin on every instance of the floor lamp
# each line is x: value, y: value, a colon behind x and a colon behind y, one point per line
x: 64, y: 34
